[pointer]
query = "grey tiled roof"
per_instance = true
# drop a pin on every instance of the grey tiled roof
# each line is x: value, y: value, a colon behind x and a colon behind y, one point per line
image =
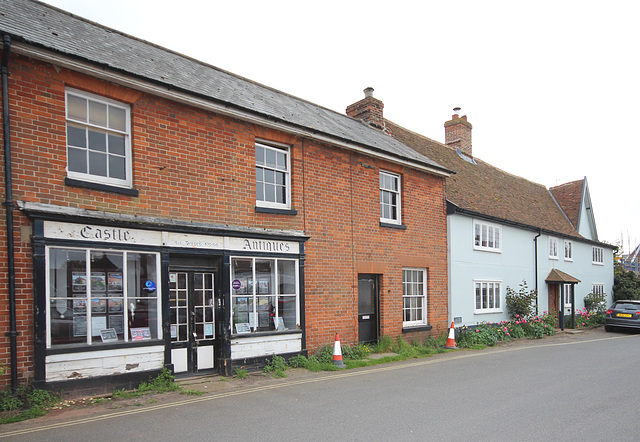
x: 48, y: 27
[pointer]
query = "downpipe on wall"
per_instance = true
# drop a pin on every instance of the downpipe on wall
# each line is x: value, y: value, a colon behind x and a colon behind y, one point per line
x: 8, y: 204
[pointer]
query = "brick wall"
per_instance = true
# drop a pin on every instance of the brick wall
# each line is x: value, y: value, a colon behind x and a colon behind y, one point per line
x: 189, y: 164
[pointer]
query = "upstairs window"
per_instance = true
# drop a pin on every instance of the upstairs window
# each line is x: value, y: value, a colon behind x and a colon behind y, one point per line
x: 273, y: 180
x: 389, y: 198
x: 553, y: 248
x: 98, y: 139
x: 568, y: 250
x: 597, y: 255
x: 487, y: 236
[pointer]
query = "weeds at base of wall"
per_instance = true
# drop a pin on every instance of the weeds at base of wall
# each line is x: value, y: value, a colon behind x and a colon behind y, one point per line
x: 28, y: 403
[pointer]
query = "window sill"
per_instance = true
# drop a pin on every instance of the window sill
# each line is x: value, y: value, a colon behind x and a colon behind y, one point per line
x: 486, y: 312
x: 99, y: 346
x: 276, y: 211
x: 416, y: 328
x: 393, y: 226
x: 265, y: 334
x: 103, y: 187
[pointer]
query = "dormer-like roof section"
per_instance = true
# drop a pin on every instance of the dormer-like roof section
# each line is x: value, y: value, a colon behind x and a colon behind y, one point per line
x: 569, y: 197
x: 58, y: 32
x: 478, y: 188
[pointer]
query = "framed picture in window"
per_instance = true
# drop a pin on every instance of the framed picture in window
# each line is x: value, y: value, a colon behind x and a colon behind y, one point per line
x: 80, y: 306
x: 78, y: 282
x: 115, y: 305
x: 116, y: 322
x: 114, y: 282
x: 79, y: 326
x: 98, y: 306
x: 263, y: 286
x: 98, y: 282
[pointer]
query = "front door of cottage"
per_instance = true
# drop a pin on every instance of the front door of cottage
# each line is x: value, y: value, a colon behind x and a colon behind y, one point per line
x: 368, y: 308
x: 192, y: 303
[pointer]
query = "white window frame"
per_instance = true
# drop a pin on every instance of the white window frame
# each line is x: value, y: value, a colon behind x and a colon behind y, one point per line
x: 554, y: 245
x: 487, y: 237
x: 253, y: 291
x: 397, y: 193
x: 92, y: 339
x: 411, y: 290
x: 277, y: 168
x: 488, y: 284
x: 597, y: 288
x: 127, y: 182
x: 597, y: 255
x: 568, y: 250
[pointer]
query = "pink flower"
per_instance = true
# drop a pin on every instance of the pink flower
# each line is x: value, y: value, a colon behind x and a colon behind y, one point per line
x: 517, y: 316
x: 507, y: 334
x: 545, y: 326
x: 477, y: 331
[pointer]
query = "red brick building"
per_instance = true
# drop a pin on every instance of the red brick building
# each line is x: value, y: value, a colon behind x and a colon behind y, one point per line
x: 168, y: 213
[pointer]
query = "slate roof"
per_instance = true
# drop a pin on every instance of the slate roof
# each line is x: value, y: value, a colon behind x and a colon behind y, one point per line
x: 479, y: 188
x: 569, y: 196
x: 51, y: 28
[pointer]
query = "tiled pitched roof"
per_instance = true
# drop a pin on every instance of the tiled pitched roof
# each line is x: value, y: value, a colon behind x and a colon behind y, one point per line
x: 484, y: 189
x: 569, y: 196
x: 51, y: 28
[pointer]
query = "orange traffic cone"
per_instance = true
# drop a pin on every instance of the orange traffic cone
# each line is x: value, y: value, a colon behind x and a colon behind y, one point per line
x: 337, y: 353
x: 451, y: 340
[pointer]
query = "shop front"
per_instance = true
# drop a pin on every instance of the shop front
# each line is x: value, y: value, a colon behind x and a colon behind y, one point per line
x: 115, y: 304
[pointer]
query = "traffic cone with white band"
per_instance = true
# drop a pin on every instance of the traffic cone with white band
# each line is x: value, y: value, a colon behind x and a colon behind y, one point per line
x: 451, y: 340
x: 337, y: 353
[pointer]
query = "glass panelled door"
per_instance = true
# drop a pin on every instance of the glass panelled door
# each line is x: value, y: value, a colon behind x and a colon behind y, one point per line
x: 192, y: 304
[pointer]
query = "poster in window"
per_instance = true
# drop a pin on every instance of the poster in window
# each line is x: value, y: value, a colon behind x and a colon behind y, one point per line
x: 98, y: 306
x: 140, y: 334
x: 117, y: 322
x: 108, y: 335
x: 174, y: 331
x: 79, y: 282
x: 98, y: 282
x: 208, y: 330
x: 243, y: 328
x: 114, y: 282
x: 263, y: 286
x: 279, y: 323
x: 115, y: 305
x: 79, y: 326
x: 80, y: 306
x: 98, y: 323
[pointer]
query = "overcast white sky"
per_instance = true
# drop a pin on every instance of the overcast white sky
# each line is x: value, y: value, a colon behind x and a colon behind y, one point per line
x: 551, y: 87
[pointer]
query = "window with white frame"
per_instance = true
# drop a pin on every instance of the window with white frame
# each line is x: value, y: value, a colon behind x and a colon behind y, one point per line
x: 597, y: 255
x: 264, y: 295
x: 487, y: 236
x: 597, y: 288
x: 553, y: 248
x: 414, y: 297
x: 488, y: 297
x: 568, y: 250
x: 273, y: 178
x: 93, y: 291
x: 98, y: 139
x: 389, y: 198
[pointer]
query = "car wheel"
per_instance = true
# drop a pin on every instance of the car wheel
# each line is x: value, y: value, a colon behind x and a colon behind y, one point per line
x: 608, y: 328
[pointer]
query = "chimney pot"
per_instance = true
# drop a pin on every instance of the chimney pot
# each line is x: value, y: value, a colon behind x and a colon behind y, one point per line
x: 368, y: 92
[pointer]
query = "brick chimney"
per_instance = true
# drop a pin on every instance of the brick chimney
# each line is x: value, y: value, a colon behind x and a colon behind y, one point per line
x: 368, y: 109
x: 457, y: 132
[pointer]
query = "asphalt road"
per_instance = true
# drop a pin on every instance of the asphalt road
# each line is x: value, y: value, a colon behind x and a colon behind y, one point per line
x: 565, y: 387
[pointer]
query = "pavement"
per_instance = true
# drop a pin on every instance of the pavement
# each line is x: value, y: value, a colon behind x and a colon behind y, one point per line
x: 209, y: 387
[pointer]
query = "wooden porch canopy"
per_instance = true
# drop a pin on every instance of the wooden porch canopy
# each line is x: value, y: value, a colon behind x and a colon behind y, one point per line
x: 559, y: 277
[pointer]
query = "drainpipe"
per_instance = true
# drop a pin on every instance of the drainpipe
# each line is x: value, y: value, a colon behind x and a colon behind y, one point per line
x: 8, y: 203
x: 535, y: 264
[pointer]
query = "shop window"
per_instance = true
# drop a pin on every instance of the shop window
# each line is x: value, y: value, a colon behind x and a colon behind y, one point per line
x: 98, y: 296
x: 264, y: 295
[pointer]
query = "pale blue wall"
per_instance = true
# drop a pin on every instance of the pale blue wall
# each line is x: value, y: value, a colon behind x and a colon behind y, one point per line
x: 514, y: 264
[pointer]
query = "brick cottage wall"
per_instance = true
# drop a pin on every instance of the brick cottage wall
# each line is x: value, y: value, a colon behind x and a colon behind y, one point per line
x: 193, y: 165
